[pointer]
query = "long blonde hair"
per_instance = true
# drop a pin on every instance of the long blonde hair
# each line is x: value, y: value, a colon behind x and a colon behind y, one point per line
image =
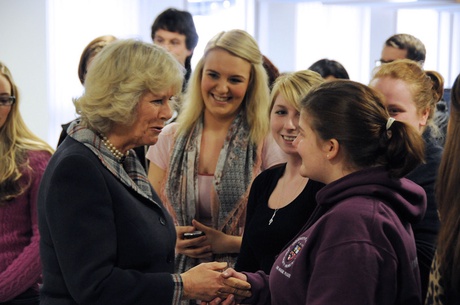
x: 256, y: 101
x: 16, y: 139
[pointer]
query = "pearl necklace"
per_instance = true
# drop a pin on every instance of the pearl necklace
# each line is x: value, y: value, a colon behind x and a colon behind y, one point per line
x: 118, y: 154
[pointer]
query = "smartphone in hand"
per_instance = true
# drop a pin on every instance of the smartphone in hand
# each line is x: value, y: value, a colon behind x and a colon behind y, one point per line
x: 195, y: 234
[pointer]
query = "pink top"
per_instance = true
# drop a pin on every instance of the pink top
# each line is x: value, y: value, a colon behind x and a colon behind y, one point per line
x: 160, y: 154
x: 20, y: 267
x: 204, y: 208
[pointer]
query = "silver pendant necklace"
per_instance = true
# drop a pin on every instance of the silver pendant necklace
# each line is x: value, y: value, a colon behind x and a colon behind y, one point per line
x: 279, y: 200
x: 280, y: 196
x: 273, y: 216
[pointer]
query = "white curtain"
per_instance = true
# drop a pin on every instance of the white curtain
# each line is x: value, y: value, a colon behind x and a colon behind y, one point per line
x: 335, y: 32
x: 440, y: 32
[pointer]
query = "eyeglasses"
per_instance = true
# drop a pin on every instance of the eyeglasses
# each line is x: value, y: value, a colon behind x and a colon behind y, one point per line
x: 380, y: 62
x: 7, y: 100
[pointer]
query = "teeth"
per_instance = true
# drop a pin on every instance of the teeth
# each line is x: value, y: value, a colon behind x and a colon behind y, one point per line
x: 289, y: 138
x: 220, y: 99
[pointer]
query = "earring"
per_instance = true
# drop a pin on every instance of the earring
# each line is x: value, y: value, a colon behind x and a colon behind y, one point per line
x: 327, y: 156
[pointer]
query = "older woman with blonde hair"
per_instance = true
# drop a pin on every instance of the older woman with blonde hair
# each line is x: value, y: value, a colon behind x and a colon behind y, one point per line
x: 106, y: 236
x: 204, y: 164
x: 23, y: 158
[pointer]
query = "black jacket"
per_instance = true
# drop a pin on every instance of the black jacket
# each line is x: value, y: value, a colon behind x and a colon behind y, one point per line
x: 426, y: 231
x: 101, y: 241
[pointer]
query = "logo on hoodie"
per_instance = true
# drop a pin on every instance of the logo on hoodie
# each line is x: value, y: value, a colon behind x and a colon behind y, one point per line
x: 294, y: 250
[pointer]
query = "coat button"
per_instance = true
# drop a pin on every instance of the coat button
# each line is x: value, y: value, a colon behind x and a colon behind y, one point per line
x: 162, y: 221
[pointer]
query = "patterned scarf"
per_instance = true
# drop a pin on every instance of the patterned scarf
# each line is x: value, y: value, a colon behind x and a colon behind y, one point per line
x: 236, y: 167
x: 130, y: 172
x: 435, y: 294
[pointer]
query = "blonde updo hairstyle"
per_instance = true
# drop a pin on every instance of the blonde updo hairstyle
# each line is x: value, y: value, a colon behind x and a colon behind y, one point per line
x: 118, y: 77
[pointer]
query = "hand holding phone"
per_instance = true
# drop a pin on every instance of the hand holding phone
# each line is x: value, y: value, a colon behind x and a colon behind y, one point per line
x: 194, y: 234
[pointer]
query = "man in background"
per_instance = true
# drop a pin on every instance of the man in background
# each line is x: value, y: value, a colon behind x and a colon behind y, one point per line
x: 400, y: 46
x: 175, y: 30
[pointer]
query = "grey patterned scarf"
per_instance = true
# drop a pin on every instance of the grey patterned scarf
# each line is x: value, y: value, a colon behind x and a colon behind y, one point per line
x: 232, y: 179
x: 130, y: 172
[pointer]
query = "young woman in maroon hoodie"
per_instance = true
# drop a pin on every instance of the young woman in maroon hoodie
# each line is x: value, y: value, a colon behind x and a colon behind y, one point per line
x: 358, y: 247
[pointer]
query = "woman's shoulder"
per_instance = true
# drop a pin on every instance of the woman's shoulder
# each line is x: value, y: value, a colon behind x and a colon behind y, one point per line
x: 272, y: 154
x: 274, y: 172
x: 170, y: 129
x: 38, y: 156
x: 72, y: 149
x: 167, y: 135
x: 38, y: 161
x: 162, y: 148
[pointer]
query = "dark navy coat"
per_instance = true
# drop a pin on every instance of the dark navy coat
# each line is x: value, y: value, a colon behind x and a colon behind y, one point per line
x: 102, y: 242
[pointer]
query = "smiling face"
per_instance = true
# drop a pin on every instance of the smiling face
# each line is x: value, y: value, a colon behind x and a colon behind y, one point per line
x: 153, y: 111
x: 5, y: 90
x: 174, y: 42
x: 399, y: 102
x: 312, y: 150
x: 224, y: 82
x: 284, y: 124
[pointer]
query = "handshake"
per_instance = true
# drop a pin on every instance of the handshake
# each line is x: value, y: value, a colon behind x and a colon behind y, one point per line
x: 214, y: 284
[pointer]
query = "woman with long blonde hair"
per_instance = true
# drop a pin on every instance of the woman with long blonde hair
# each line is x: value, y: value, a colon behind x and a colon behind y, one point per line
x: 23, y: 158
x: 204, y: 164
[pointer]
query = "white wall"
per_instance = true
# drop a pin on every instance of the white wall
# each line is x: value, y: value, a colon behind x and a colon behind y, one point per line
x: 23, y: 48
x: 277, y: 33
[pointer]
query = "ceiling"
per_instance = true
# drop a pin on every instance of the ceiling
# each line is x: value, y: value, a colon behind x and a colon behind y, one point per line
x: 438, y: 4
